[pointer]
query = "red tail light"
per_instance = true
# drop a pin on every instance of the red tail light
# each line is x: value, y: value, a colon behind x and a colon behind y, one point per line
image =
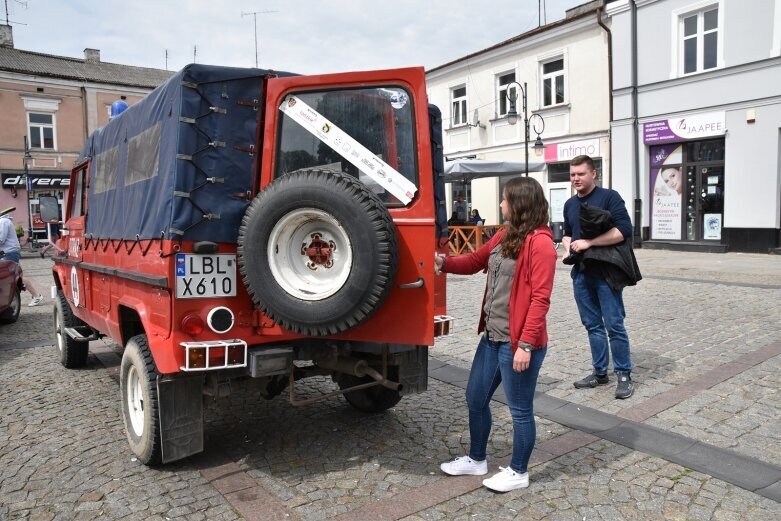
x: 192, y: 325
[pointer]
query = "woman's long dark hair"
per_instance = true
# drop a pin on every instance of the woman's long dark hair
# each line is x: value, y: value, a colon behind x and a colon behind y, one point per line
x: 528, y: 210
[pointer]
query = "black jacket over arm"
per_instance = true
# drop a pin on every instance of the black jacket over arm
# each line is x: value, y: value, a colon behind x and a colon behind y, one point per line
x: 617, y: 263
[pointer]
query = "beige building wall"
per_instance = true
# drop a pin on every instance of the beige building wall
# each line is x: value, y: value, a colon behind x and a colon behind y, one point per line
x: 78, y: 110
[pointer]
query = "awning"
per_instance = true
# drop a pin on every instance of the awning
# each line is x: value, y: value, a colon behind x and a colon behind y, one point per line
x: 465, y: 170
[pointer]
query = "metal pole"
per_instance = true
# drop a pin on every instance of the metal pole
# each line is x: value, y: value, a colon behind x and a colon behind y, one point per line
x: 28, y: 188
x: 526, y: 129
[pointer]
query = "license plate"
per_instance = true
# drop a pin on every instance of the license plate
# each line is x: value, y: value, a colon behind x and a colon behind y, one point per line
x: 204, y: 276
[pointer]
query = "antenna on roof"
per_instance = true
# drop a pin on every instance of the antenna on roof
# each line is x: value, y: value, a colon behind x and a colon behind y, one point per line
x: 7, y: 20
x: 255, y: 16
x: 195, y: 51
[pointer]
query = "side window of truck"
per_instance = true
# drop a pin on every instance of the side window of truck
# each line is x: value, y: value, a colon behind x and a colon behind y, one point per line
x: 381, y: 119
x: 78, y: 194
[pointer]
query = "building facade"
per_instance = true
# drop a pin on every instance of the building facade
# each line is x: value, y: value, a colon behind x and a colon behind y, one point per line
x: 696, y: 129
x: 49, y: 105
x: 564, y: 67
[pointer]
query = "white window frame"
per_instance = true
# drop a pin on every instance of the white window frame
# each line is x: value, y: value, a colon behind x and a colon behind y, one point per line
x: 552, y: 77
x: 46, y: 107
x: 501, y: 93
x: 458, y: 106
x: 677, y: 47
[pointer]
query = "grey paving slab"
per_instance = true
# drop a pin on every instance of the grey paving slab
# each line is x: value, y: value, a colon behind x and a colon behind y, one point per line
x: 729, y: 466
x: 771, y: 492
x: 648, y: 439
x: 450, y: 374
x: 580, y: 417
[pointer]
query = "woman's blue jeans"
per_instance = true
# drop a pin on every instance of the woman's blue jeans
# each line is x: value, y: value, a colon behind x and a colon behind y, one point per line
x: 602, y: 313
x: 493, y: 364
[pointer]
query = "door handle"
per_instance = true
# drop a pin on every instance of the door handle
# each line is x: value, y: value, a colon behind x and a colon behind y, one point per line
x: 411, y: 285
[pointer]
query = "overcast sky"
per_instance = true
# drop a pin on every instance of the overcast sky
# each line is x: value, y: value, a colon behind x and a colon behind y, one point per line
x: 303, y: 36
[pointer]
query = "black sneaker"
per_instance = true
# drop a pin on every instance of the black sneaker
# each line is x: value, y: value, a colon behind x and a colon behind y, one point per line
x: 592, y: 381
x: 624, y: 388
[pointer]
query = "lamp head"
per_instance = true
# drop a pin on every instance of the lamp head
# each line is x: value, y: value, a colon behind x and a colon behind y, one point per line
x: 539, y: 146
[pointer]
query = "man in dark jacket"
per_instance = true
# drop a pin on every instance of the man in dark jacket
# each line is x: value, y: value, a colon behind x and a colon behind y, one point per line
x: 600, y: 306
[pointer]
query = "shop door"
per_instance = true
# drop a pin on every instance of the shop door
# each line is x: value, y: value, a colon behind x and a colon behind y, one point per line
x: 705, y: 190
x: 705, y: 211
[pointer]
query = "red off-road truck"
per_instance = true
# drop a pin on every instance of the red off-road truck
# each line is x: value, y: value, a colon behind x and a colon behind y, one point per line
x: 245, y: 223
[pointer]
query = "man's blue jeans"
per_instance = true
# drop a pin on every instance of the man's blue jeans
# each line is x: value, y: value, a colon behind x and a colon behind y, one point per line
x: 493, y: 364
x: 602, y: 312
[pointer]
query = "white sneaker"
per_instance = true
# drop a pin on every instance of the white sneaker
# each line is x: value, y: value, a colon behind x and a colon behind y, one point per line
x: 465, y: 466
x: 35, y: 301
x: 506, y: 480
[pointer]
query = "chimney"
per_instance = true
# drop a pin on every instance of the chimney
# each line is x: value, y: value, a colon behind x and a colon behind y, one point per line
x: 91, y: 55
x: 6, y: 36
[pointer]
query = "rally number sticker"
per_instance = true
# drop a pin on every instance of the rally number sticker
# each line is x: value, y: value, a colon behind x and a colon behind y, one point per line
x: 205, y: 276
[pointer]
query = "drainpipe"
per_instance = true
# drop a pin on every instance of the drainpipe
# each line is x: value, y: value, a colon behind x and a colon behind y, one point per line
x: 600, y: 12
x: 636, y: 132
x: 86, y: 113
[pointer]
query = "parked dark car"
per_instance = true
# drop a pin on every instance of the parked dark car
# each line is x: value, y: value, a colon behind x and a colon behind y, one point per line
x: 10, y: 291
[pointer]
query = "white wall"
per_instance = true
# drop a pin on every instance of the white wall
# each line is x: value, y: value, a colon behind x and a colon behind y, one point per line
x: 585, y: 115
x: 751, y: 168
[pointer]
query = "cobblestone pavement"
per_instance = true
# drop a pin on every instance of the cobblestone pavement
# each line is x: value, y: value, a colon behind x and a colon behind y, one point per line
x: 63, y: 453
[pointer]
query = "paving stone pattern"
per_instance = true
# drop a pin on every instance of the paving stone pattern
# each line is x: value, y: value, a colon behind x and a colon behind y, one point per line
x: 63, y: 452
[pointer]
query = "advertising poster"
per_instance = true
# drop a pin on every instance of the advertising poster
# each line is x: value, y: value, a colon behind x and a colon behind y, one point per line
x: 711, y: 223
x: 666, y: 192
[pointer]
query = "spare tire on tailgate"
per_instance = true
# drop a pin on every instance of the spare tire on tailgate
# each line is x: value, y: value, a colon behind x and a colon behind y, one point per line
x: 317, y: 252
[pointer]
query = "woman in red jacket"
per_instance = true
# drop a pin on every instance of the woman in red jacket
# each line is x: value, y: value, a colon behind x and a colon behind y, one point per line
x: 520, y: 261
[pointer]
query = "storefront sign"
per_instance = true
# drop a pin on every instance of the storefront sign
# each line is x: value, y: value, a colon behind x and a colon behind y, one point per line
x: 38, y: 181
x: 694, y: 126
x: 566, y: 151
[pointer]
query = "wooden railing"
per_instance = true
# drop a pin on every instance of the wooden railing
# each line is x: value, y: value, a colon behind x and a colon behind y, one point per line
x: 466, y: 239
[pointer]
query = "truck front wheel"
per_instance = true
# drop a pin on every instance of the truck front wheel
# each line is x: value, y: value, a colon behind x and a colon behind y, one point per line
x: 138, y: 383
x: 73, y: 354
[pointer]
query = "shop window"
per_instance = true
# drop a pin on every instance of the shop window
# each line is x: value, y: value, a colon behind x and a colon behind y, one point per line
x: 554, y: 78
x: 504, y: 93
x: 711, y: 150
x: 40, y: 128
x: 458, y: 106
x: 559, y: 172
x: 698, y: 40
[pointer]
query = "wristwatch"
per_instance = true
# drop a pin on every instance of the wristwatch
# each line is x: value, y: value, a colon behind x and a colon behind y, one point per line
x: 526, y: 347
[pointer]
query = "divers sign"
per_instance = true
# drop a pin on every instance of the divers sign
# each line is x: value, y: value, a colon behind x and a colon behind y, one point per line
x: 39, y: 181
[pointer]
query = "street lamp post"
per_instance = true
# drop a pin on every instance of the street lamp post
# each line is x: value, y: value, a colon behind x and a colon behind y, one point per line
x: 512, y: 119
x: 27, y: 161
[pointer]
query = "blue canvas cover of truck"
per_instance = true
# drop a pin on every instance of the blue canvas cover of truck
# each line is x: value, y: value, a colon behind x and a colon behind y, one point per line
x: 179, y: 164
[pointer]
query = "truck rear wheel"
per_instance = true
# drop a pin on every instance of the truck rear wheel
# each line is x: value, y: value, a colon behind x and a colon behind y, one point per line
x: 138, y: 384
x: 318, y: 252
x: 73, y: 354
x: 11, y: 315
x: 372, y: 399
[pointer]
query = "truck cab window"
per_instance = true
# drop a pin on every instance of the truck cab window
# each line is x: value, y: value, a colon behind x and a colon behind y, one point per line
x: 379, y: 118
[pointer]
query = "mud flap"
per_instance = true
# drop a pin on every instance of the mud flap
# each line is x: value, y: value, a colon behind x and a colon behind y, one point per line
x: 413, y: 370
x: 180, y: 403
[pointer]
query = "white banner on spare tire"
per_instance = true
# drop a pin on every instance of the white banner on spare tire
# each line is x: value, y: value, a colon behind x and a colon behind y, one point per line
x: 347, y: 147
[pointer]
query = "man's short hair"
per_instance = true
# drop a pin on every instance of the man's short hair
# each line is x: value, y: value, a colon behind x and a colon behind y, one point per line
x: 579, y: 160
